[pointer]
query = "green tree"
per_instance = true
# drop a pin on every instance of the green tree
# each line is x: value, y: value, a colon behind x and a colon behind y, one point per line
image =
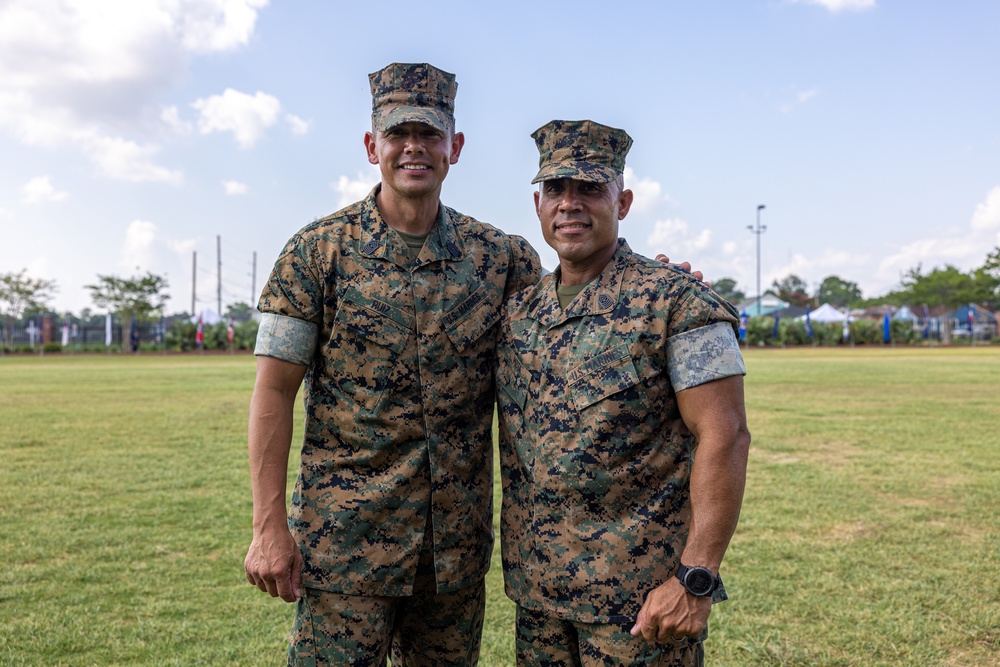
x: 20, y: 292
x: 792, y: 289
x: 942, y: 287
x: 139, y: 295
x: 726, y: 288
x: 240, y: 312
x: 988, y: 275
x: 992, y: 264
x: 838, y: 292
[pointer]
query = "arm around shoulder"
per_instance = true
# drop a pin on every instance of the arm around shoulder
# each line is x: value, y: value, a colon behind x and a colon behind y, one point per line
x: 525, y: 266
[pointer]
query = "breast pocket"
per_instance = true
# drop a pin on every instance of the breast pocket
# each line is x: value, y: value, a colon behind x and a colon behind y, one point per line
x: 612, y: 404
x: 366, y: 341
x: 469, y: 321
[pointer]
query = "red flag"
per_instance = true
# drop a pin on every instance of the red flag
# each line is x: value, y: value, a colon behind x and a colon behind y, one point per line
x: 229, y: 331
x: 200, y: 336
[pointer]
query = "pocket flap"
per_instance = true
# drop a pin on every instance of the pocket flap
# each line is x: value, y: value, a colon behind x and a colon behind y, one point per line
x: 468, y: 321
x: 374, y: 320
x: 602, y: 375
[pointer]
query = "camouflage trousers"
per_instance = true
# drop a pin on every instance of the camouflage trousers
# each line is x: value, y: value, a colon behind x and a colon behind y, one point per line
x: 547, y: 641
x: 424, y: 630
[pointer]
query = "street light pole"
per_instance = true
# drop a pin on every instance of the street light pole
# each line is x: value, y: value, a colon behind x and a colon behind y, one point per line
x: 758, y: 231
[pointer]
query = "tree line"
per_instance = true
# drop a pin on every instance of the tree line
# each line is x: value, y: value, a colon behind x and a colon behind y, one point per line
x: 144, y: 297
x: 948, y: 286
x: 139, y: 298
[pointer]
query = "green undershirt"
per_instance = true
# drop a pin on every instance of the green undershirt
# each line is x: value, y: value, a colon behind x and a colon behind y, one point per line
x: 567, y: 293
x: 414, y: 242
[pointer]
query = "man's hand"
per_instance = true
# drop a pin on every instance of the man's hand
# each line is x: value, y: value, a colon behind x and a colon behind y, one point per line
x: 686, y: 266
x: 670, y: 613
x: 274, y: 565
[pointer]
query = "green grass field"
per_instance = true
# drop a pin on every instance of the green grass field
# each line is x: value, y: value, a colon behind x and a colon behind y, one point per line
x: 870, y: 532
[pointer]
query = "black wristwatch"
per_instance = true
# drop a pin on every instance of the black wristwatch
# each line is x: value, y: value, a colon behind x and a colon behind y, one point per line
x: 697, y: 580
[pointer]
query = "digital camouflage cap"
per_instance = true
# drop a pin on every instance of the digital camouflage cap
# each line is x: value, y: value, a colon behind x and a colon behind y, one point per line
x: 412, y: 92
x: 581, y: 150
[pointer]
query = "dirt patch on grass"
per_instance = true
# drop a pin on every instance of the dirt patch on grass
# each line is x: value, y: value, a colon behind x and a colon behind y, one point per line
x: 832, y: 454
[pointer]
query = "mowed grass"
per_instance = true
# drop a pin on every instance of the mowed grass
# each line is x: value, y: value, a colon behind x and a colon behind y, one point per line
x: 870, y: 531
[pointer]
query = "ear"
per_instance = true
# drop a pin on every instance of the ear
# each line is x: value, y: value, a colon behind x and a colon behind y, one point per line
x: 537, y: 212
x: 370, y: 148
x: 457, y: 141
x: 624, y: 203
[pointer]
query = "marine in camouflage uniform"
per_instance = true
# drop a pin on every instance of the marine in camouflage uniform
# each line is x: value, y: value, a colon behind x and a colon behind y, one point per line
x: 622, y: 429
x: 392, y: 323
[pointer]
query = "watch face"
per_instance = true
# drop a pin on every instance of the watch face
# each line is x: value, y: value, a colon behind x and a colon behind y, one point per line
x: 699, y: 581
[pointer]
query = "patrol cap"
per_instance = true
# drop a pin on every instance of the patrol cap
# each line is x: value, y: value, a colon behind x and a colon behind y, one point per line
x: 581, y: 150
x: 412, y: 92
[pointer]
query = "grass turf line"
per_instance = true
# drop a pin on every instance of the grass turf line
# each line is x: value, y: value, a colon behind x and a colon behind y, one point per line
x: 869, y: 533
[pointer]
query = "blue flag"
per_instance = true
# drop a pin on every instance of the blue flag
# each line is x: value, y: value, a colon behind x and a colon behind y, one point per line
x: 886, y: 327
x: 743, y: 325
x: 809, y: 326
x: 774, y: 331
x: 927, y: 322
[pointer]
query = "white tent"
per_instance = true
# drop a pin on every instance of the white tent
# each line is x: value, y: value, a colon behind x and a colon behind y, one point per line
x: 825, y: 313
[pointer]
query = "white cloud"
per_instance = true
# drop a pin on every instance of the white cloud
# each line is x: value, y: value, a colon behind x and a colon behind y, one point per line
x: 88, y: 74
x: 840, y: 5
x: 137, y: 249
x: 354, y: 190
x: 235, y: 187
x: 171, y: 117
x: 987, y: 215
x: 129, y: 161
x: 246, y: 116
x: 145, y: 249
x: 40, y: 189
x: 675, y: 238
x: 298, y: 125
x: 218, y: 25
x: 648, y: 194
x: 814, y: 268
x: 801, y: 97
x: 183, y: 247
x: 965, y: 249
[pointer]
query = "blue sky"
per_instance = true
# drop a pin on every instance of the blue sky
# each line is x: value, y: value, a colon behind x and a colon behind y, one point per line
x: 134, y: 132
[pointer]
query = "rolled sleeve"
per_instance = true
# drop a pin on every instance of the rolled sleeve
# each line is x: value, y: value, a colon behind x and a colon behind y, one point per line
x: 704, y: 354
x: 286, y: 338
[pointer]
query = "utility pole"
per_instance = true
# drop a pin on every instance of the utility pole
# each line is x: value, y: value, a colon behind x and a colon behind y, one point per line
x: 758, y: 231
x: 218, y: 251
x: 194, y: 278
x: 253, y: 281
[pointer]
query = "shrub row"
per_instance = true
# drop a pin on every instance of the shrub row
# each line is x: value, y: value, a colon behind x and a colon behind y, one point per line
x: 761, y: 332
x: 181, y: 337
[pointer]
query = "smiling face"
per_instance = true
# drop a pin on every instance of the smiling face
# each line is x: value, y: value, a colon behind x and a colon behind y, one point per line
x: 580, y: 221
x: 414, y: 158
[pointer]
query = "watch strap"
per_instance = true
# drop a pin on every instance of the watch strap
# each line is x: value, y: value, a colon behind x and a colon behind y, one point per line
x: 682, y: 575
